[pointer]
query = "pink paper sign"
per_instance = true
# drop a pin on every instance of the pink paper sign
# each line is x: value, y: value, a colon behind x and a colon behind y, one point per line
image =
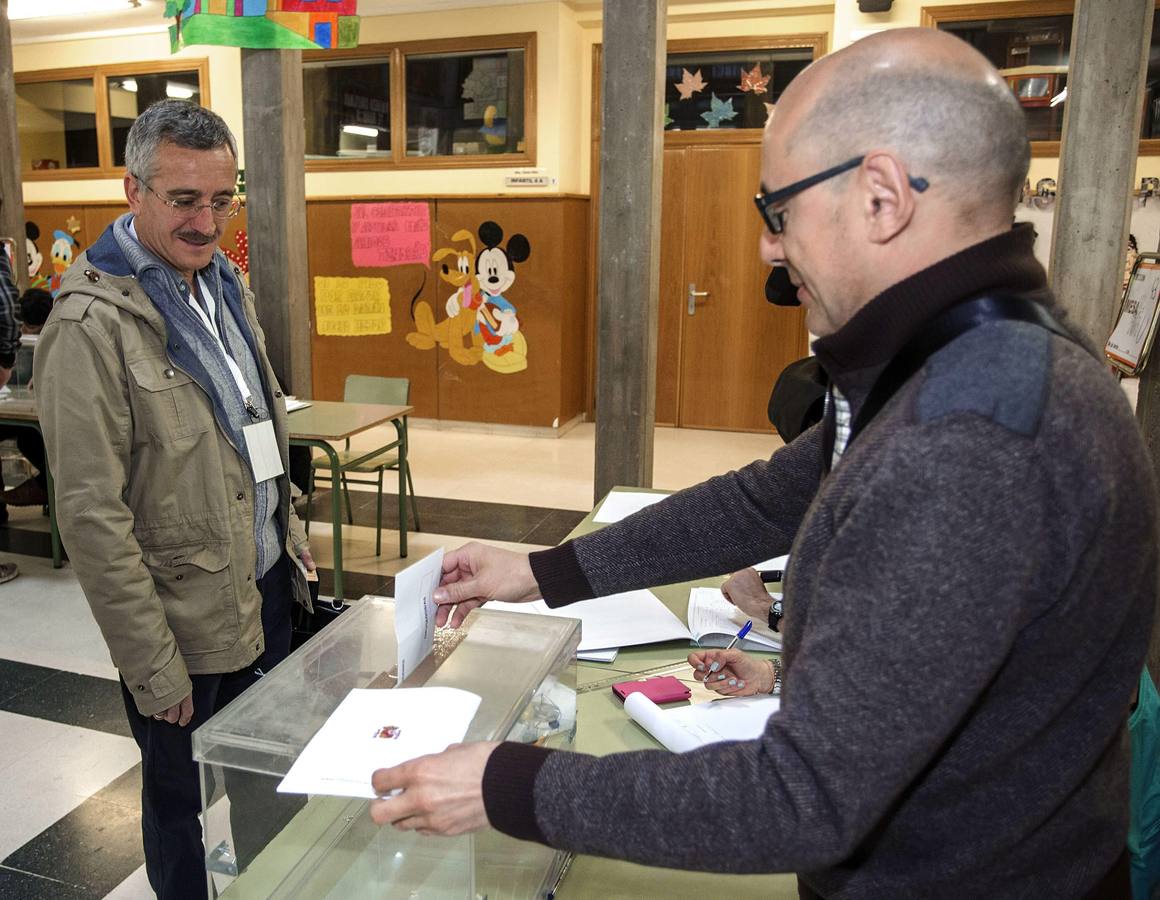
x: 389, y: 234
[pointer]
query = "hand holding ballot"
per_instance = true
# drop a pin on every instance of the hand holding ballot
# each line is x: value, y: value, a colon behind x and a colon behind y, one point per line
x: 476, y: 573
x: 738, y: 674
x: 438, y: 794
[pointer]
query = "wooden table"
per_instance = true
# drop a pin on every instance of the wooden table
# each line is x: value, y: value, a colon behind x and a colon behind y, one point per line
x: 327, y: 421
x: 19, y: 409
x: 604, y: 728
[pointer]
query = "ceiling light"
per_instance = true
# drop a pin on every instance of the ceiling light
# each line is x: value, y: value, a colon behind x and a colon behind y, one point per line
x: 43, y: 9
x: 129, y: 84
x: 361, y: 130
x: 178, y: 91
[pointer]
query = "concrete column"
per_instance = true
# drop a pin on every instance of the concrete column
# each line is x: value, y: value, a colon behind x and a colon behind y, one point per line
x: 1101, y: 129
x: 11, y: 187
x: 276, y: 209
x: 628, y: 261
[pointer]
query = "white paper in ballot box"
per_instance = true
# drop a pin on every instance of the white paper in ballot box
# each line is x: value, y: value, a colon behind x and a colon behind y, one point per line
x: 415, y: 612
x: 376, y: 729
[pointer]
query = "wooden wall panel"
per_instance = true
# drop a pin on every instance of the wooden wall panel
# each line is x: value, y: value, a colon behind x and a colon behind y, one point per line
x: 540, y: 294
x: 574, y: 315
x: 333, y: 358
x: 672, y: 287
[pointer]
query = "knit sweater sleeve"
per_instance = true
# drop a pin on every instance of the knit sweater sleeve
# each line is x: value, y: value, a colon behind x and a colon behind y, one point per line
x: 872, y: 699
x: 718, y: 526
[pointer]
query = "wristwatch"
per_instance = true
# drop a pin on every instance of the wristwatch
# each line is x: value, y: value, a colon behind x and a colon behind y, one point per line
x: 775, y: 615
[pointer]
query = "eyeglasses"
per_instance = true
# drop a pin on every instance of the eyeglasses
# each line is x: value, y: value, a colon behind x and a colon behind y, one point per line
x: 775, y: 221
x: 221, y: 208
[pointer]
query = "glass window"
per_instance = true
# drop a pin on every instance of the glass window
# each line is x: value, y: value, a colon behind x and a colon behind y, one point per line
x: 728, y: 89
x: 465, y: 104
x: 1033, y: 54
x: 57, y: 124
x: 130, y: 95
x: 348, y: 109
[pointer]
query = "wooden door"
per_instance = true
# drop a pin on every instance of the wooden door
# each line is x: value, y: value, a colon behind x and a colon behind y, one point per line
x: 734, y: 345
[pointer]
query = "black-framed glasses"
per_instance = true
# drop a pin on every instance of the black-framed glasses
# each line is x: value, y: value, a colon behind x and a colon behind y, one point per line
x: 221, y: 208
x: 775, y: 221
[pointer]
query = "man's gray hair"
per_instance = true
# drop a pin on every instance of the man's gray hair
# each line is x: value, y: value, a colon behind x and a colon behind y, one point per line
x: 952, y: 131
x: 177, y: 122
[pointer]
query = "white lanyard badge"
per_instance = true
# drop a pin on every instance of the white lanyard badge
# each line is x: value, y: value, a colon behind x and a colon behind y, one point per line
x: 261, y: 442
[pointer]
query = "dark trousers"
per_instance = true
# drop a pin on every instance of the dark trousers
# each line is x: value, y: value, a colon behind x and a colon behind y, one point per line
x: 170, y: 787
x: 31, y: 445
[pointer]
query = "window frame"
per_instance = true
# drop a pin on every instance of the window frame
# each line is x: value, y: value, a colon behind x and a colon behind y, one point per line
x: 815, y: 42
x: 933, y: 16
x: 101, y: 75
x: 396, y: 53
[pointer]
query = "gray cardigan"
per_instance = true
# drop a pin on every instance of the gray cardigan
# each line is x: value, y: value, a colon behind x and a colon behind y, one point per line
x: 968, y: 603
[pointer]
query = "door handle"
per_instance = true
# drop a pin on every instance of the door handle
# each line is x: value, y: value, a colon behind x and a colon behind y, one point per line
x: 693, y: 295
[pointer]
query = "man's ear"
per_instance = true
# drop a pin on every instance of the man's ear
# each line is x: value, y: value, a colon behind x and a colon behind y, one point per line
x: 132, y: 193
x: 889, y: 200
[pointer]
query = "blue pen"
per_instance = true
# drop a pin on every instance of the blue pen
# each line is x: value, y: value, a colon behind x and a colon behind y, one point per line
x: 715, y: 665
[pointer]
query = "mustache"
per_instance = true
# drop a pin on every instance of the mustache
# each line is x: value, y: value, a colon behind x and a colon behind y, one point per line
x: 196, y: 237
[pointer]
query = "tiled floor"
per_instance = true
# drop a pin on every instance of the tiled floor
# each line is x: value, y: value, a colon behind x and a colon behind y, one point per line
x: 69, y: 772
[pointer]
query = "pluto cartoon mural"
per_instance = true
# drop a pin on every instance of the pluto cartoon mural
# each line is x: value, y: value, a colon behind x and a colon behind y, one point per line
x: 481, y: 323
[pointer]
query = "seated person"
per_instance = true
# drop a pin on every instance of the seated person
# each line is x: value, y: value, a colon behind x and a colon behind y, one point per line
x: 35, y: 305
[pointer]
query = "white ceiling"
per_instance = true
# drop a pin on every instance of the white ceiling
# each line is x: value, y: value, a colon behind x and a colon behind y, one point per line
x: 149, y: 16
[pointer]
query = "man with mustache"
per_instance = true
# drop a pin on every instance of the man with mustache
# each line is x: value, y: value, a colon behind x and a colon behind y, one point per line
x: 166, y: 432
x: 973, y: 571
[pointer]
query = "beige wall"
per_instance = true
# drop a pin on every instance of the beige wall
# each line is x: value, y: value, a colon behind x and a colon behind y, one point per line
x: 566, y: 33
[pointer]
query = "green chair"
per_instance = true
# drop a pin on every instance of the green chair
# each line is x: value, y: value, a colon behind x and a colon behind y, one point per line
x: 388, y: 392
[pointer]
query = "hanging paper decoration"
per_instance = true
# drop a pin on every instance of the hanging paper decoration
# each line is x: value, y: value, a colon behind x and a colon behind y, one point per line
x: 753, y: 80
x: 264, y: 24
x: 719, y: 111
x: 668, y: 118
x: 689, y: 84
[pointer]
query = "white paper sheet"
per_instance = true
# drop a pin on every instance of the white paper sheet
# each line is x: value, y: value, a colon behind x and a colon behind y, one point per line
x: 778, y: 563
x: 293, y: 404
x: 621, y: 504
x: 376, y: 729
x: 415, y: 611
x: 604, y: 656
x: 618, y: 620
x: 713, y: 620
x: 688, y: 727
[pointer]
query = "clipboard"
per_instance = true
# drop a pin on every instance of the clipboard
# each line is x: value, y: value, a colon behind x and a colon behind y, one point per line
x: 1130, y: 343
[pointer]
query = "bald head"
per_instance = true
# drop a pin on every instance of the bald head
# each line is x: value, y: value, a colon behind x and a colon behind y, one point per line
x: 927, y: 97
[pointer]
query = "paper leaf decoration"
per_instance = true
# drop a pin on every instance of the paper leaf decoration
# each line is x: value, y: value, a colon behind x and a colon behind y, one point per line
x: 668, y: 118
x: 264, y: 24
x: 719, y: 111
x: 754, y: 81
x: 689, y: 84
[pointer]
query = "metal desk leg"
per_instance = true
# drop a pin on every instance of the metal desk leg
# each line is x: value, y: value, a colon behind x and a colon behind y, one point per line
x: 402, y: 486
x: 335, y: 512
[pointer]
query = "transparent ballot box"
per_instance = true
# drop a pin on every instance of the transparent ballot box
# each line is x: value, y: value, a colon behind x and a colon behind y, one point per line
x: 262, y: 844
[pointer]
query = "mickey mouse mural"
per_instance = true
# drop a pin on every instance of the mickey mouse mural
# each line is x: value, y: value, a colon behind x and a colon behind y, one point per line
x: 35, y: 257
x: 504, y: 347
x: 478, y: 307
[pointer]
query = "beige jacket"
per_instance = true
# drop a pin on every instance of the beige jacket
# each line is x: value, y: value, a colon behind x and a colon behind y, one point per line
x: 155, y: 505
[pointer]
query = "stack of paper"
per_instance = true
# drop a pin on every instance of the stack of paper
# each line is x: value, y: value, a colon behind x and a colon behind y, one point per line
x: 618, y: 620
x: 688, y: 727
x: 377, y: 729
x: 621, y: 504
x: 714, y: 621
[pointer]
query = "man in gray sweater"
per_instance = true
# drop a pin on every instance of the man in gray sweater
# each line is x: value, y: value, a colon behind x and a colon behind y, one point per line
x: 973, y: 572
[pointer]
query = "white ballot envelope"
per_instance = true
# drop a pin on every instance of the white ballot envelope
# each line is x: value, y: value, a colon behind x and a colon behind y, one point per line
x: 376, y: 729
x: 415, y: 612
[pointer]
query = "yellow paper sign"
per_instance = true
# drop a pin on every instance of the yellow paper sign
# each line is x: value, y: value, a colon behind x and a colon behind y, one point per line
x: 352, y: 307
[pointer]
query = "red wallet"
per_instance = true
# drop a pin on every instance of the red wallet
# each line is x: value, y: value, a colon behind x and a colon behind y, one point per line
x: 665, y: 689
